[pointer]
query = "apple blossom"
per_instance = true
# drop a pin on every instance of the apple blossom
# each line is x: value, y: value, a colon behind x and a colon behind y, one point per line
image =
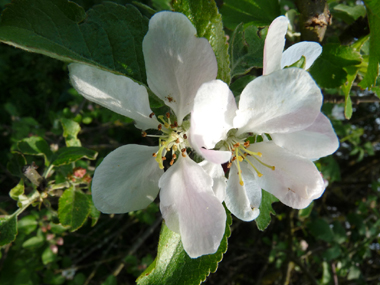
x: 129, y: 178
x: 284, y: 102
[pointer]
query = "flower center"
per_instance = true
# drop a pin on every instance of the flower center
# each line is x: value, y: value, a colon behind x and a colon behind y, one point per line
x: 240, y: 152
x: 172, y: 140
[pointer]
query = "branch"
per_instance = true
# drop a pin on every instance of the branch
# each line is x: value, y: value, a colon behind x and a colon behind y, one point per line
x: 338, y: 99
x: 314, y: 19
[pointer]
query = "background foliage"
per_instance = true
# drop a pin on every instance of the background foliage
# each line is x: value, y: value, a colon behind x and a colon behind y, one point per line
x: 43, y: 120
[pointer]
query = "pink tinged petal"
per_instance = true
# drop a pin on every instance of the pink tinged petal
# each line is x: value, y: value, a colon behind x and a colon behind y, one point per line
x: 126, y: 180
x: 316, y: 141
x: 310, y: 50
x: 213, y: 113
x: 115, y: 92
x: 295, y: 181
x: 274, y: 45
x: 216, y: 172
x: 189, y: 206
x: 177, y: 62
x: 214, y: 156
x: 243, y: 201
x: 285, y: 101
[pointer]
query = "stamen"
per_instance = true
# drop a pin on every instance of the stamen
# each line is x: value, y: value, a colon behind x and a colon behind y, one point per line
x: 183, y: 154
x: 229, y: 165
x: 143, y: 134
x: 164, y: 158
x: 177, y: 140
x: 159, y: 127
x: 185, y: 136
x: 167, y: 115
x: 175, y: 147
x: 183, y: 150
x: 154, y: 154
x: 171, y: 162
x: 174, y: 156
x: 151, y: 115
x: 267, y: 165
x: 257, y: 171
x: 239, y: 170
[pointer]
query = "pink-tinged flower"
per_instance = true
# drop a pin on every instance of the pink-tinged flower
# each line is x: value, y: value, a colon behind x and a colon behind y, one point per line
x: 273, y: 106
x: 129, y: 178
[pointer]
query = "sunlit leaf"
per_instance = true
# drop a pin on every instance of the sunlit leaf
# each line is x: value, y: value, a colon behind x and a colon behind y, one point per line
x: 17, y: 190
x: 36, y: 146
x: 70, y: 132
x: 67, y: 155
x: 263, y: 220
x: 8, y: 229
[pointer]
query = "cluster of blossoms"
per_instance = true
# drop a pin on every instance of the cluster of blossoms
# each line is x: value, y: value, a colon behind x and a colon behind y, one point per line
x: 280, y: 109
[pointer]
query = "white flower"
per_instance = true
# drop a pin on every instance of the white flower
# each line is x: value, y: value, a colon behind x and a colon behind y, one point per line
x: 128, y: 179
x: 279, y: 104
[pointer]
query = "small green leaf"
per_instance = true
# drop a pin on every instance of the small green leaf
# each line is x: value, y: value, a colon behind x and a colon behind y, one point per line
x: 48, y: 256
x: 109, y: 36
x: 350, y: 13
x: 73, y: 208
x: 8, y: 229
x: 373, y: 11
x: 36, y: 146
x: 94, y: 213
x: 205, y: 17
x: 246, y: 49
x: 320, y: 229
x: 173, y: 266
x: 329, y: 68
x: 332, y: 253
x: 340, y: 235
x: 326, y: 276
x: 301, y: 63
x: 111, y: 280
x: 16, y: 164
x: 67, y: 155
x: 258, y: 12
x: 27, y: 224
x: 33, y: 242
x: 304, y: 213
x: 263, y: 220
x: 17, y: 190
x: 70, y: 132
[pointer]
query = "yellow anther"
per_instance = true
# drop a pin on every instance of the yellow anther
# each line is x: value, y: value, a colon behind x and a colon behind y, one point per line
x: 175, y: 147
x: 241, y: 183
x: 259, y: 174
x: 240, y: 158
x: 144, y: 134
x: 167, y: 125
x: 273, y: 168
x: 260, y: 154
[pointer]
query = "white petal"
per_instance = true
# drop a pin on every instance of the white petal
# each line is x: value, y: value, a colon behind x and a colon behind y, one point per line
x: 274, y: 44
x: 115, y: 92
x: 287, y: 100
x: 243, y: 201
x: 316, y: 141
x: 310, y: 50
x: 177, y: 62
x: 188, y: 205
x: 295, y: 181
x: 213, y: 113
x: 126, y: 180
x: 216, y: 172
x: 214, y: 156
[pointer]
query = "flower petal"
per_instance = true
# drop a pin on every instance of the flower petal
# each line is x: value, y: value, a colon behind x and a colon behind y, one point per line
x: 314, y: 142
x: 213, y: 113
x: 243, y: 201
x: 310, y: 50
x: 287, y: 100
x: 219, y: 179
x: 115, y: 92
x: 274, y: 44
x: 177, y: 62
x: 189, y: 206
x: 126, y: 180
x: 296, y: 181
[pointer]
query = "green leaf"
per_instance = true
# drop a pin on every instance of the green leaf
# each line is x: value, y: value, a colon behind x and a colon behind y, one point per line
x: 301, y: 63
x: 67, y: 155
x: 332, y: 253
x: 350, y: 13
x: 205, y: 17
x: 16, y: 164
x: 328, y: 70
x: 94, y: 213
x: 373, y: 11
x: 48, y: 256
x: 27, y: 224
x: 109, y: 36
x: 73, y: 208
x: 36, y: 146
x: 70, y: 132
x: 33, y: 242
x: 111, y: 280
x: 173, y: 266
x: 304, y: 213
x: 326, y: 276
x: 320, y: 229
x: 246, y: 49
x: 8, y: 229
x: 239, y: 84
x: 352, y: 71
x: 258, y: 12
x: 340, y: 235
x: 263, y: 220
x: 17, y: 190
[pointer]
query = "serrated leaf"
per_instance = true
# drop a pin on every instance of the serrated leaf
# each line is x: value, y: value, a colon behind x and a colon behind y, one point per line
x: 329, y: 68
x: 246, y: 49
x: 109, y: 36
x: 205, y: 17
x: 8, y: 229
x: 16, y: 164
x: 173, y: 266
x: 67, y: 155
x: 373, y: 12
x: 17, y: 190
x: 36, y: 146
x: 70, y: 132
x: 73, y: 208
x: 258, y: 12
x: 263, y: 220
